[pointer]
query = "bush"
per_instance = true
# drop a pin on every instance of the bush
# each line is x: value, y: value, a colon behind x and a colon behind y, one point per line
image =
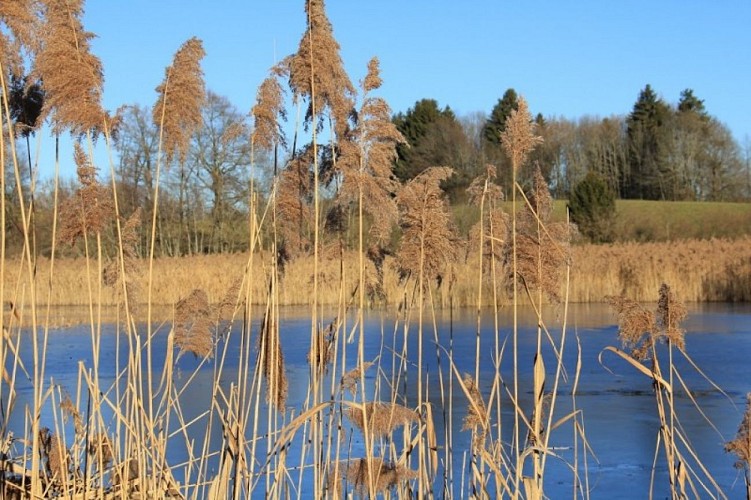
x: 592, y: 206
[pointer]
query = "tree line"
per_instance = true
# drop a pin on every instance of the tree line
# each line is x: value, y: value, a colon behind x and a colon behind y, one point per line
x: 233, y: 163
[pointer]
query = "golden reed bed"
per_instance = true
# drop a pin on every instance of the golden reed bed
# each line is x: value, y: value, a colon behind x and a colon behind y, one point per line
x: 698, y: 270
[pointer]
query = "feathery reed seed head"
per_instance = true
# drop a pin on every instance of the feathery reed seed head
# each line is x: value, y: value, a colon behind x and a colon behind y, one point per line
x: 193, y: 324
x: 518, y: 138
x: 72, y: 76
x: 741, y: 445
x: 181, y: 95
x: 383, y: 418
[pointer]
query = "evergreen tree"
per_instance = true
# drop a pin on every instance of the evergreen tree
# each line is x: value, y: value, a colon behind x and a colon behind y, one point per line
x: 496, y: 123
x: 592, y: 206
x: 647, y: 142
x: 431, y: 134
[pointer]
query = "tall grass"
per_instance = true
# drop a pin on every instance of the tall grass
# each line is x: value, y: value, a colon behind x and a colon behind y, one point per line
x: 632, y: 269
x: 364, y: 427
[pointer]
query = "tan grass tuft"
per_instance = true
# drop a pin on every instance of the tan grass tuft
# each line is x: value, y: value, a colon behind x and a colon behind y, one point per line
x: 357, y: 472
x: 383, y: 418
x: 192, y: 326
x: 72, y: 76
x: 181, y: 95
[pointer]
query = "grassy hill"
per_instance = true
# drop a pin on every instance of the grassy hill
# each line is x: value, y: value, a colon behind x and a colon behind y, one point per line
x: 642, y: 220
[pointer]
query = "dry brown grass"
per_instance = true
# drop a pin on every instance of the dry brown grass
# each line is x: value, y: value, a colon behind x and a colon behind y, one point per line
x: 699, y: 270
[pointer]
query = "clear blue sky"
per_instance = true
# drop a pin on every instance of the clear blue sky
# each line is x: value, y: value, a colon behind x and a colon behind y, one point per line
x: 568, y: 58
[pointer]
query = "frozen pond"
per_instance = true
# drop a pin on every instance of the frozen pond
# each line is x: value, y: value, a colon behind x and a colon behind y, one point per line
x: 617, y: 402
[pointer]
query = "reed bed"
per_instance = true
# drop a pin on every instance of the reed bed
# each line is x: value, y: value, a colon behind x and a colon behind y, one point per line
x: 365, y: 426
x: 699, y: 271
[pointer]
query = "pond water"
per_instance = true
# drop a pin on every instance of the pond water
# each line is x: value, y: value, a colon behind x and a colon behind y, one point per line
x: 617, y: 402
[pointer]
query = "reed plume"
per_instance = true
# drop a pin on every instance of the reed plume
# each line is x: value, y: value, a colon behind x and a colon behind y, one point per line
x: 294, y: 204
x: 127, y: 283
x: 266, y: 113
x: 72, y: 75
x: 181, y: 95
x: 356, y: 472
x: 91, y: 208
x: 368, y: 161
x: 383, y: 418
x: 19, y: 27
x: 639, y: 329
x: 543, y: 246
x: 317, y: 67
x: 428, y: 234
x: 54, y: 454
x: 492, y: 229
x: 192, y: 325
x: 353, y: 376
x: 270, y: 356
x: 741, y: 445
x: 670, y: 313
x: 518, y: 138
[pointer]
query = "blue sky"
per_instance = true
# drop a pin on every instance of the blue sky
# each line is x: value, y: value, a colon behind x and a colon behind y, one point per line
x: 568, y: 58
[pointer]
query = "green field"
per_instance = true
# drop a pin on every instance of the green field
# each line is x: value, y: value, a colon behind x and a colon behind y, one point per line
x: 642, y: 220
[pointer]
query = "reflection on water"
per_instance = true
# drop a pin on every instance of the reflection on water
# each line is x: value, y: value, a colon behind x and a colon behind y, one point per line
x: 617, y: 402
